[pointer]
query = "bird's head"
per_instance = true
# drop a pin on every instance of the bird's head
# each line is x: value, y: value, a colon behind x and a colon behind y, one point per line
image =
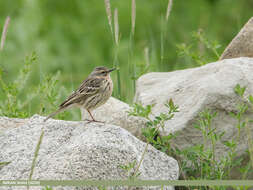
x: 102, y: 71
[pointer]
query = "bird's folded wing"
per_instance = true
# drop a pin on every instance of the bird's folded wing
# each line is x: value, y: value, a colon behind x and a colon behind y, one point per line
x: 88, y: 88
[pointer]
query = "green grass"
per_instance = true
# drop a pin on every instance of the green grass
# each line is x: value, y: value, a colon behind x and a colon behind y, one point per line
x: 74, y: 36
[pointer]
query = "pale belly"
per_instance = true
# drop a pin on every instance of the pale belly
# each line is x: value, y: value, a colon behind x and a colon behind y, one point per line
x: 99, y: 99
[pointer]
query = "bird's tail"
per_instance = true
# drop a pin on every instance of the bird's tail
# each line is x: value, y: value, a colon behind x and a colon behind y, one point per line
x: 54, y: 113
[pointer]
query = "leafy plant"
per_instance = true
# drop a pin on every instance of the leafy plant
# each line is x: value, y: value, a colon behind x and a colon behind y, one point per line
x: 102, y: 188
x: 129, y: 169
x: 50, y: 93
x: 196, y: 54
x: 153, y: 126
x: 141, y: 111
x: 243, y: 107
x: 12, y: 105
x: 47, y: 188
x: 200, y: 161
x: 18, y: 99
x: 213, y: 45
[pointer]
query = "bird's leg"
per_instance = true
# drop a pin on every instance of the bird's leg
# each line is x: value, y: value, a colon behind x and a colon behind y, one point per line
x: 93, y: 120
x: 91, y: 115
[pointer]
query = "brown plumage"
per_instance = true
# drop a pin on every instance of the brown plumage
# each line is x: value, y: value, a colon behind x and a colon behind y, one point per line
x: 92, y: 93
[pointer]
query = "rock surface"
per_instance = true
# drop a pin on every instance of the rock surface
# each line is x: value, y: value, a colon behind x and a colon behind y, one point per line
x: 77, y: 150
x: 7, y: 123
x: 193, y: 90
x: 116, y: 112
x: 242, y: 44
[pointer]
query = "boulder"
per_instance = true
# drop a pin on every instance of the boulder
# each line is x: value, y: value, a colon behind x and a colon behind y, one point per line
x: 115, y: 112
x: 77, y: 150
x: 242, y: 44
x: 194, y: 90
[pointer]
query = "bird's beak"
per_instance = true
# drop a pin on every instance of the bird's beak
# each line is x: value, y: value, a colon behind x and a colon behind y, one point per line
x: 110, y: 70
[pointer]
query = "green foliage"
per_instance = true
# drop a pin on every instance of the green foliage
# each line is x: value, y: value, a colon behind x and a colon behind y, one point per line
x: 203, y: 162
x: 12, y: 105
x: 185, y: 50
x: 141, y: 111
x: 50, y: 92
x: 74, y: 37
x: 102, y: 188
x: 151, y: 132
x: 203, y: 44
x: 240, y: 90
x: 21, y: 101
x: 200, y: 161
x: 129, y: 170
x: 47, y: 188
x: 213, y: 46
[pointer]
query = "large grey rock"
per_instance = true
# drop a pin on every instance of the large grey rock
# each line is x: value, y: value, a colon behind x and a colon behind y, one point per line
x: 115, y: 112
x: 242, y: 44
x: 193, y: 90
x: 77, y: 150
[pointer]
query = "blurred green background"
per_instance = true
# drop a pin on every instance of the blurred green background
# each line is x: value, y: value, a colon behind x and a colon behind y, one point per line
x: 74, y: 36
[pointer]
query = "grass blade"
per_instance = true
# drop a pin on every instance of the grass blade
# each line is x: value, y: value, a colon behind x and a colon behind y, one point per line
x: 133, y: 16
x: 116, y: 62
x: 4, y: 33
x: 169, y: 9
x: 36, y: 154
x: 109, y: 14
x: 116, y: 26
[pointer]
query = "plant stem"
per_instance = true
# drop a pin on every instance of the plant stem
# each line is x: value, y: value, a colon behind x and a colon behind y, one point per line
x: 131, y: 62
x: 250, y: 142
x: 4, y: 33
x: 162, y: 38
x: 143, y: 154
x: 116, y: 65
x: 36, y: 155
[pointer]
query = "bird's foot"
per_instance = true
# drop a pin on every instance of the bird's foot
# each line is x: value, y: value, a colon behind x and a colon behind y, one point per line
x: 93, y: 120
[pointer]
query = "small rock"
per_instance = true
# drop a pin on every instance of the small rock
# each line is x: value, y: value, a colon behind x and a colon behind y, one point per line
x: 242, y: 44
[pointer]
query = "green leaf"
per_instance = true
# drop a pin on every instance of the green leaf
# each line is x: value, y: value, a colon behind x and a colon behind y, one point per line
x: 4, y: 163
x: 158, y: 118
x: 239, y: 90
x: 232, y: 114
x: 229, y: 144
x: 221, y: 135
x: 250, y: 98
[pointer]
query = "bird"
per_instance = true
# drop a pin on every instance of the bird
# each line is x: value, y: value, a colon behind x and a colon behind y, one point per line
x: 93, y: 92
